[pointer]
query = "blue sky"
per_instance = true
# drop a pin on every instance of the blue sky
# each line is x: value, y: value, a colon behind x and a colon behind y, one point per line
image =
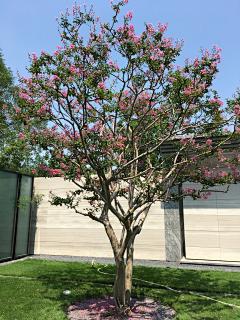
x: 29, y: 26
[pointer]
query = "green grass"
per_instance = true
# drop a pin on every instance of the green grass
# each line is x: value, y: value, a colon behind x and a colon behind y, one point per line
x: 43, y: 298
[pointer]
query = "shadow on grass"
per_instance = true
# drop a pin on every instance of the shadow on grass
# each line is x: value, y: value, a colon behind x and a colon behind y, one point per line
x: 178, y: 279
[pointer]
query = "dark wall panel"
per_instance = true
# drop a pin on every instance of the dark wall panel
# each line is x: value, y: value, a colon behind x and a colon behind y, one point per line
x: 8, y: 194
x: 14, y: 222
x: 23, y: 218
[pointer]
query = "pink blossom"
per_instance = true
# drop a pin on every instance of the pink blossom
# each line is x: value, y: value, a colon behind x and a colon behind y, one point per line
x: 209, y: 142
x: 101, y: 85
x: 120, y: 144
x: 16, y: 108
x: 55, y: 77
x: 119, y: 29
x: 204, y: 71
x: 22, y: 136
x: 129, y: 15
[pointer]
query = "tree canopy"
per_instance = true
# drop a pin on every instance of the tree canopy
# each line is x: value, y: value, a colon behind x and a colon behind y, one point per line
x: 15, y: 154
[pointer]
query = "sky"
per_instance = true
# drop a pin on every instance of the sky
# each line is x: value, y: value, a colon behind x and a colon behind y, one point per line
x: 29, y: 26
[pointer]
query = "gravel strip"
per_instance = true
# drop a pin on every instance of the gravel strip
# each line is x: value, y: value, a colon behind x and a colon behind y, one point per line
x: 136, y: 262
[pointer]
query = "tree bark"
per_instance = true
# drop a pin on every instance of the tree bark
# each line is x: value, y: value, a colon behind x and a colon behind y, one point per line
x: 123, y: 282
x: 119, y: 287
x: 128, y: 274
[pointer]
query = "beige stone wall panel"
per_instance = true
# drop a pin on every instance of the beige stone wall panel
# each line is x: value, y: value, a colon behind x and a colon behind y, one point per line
x: 58, y: 230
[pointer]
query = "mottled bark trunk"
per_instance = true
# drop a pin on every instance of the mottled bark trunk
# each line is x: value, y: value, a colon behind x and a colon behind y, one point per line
x: 128, y: 274
x: 119, y: 287
x: 123, y: 283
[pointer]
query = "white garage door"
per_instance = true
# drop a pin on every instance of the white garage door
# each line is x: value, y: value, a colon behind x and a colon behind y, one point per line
x: 212, y: 226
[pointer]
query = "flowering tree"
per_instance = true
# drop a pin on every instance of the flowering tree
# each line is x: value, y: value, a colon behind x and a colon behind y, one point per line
x: 115, y: 120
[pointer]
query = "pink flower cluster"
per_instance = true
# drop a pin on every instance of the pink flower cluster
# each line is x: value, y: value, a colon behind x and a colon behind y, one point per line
x: 52, y: 172
x: 215, y: 100
x: 22, y: 136
x: 129, y: 15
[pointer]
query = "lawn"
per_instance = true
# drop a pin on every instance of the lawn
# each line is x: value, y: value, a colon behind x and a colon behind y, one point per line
x: 43, y: 298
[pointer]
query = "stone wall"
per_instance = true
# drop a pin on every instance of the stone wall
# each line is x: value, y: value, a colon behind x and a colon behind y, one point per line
x: 58, y: 230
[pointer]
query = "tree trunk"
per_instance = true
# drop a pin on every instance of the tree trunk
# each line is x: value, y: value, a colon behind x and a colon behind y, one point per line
x: 119, y: 287
x: 123, y: 283
x: 128, y: 274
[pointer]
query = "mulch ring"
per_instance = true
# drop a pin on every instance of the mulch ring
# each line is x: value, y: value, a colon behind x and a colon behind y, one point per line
x: 103, y: 308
